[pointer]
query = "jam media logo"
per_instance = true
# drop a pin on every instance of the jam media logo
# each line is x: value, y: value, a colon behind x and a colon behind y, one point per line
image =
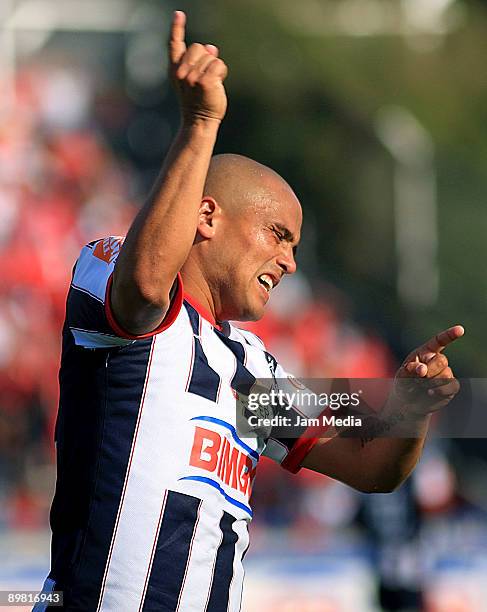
x: 108, y: 249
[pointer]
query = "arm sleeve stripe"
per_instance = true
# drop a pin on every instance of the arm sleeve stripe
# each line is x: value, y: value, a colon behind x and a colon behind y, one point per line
x: 95, y: 297
x: 304, y: 444
x: 168, y: 320
x: 301, y: 448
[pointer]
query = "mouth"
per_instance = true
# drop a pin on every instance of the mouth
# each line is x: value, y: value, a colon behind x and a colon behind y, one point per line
x: 267, y: 282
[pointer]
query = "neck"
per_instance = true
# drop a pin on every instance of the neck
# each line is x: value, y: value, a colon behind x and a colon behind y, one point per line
x: 198, y: 290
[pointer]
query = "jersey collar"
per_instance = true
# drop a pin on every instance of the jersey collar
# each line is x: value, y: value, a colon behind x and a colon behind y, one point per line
x: 206, y: 314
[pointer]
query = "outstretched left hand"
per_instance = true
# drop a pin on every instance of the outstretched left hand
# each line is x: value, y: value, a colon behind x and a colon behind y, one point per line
x: 425, y: 382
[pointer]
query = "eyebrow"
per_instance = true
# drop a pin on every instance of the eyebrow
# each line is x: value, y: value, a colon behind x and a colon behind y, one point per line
x: 289, y: 236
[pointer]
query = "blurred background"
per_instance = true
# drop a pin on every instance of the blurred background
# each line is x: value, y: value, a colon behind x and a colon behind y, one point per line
x: 375, y: 111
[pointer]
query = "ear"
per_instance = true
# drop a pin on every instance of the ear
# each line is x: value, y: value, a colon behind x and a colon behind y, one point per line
x: 209, y: 213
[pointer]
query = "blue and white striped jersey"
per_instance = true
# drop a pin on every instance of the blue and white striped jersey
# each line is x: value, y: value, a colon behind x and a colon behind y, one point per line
x: 152, y: 496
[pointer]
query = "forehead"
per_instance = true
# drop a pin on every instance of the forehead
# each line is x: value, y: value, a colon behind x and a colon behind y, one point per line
x: 279, y: 204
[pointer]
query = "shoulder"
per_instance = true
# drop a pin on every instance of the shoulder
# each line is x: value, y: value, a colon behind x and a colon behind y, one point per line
x: 95, y: 265
x: 247, y: 337
x: 104, y: 249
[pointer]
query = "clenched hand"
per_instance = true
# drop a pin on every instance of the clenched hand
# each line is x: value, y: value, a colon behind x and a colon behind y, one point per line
x: 198, y: 74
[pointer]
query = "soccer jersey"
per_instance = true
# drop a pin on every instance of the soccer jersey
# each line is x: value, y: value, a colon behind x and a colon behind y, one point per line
x: 152, y: 507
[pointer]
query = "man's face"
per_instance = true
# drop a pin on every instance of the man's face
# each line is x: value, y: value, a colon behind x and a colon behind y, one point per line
x: 255, y: 248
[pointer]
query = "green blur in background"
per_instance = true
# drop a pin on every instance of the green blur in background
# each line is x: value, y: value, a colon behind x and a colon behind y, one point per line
x: 311, y: 85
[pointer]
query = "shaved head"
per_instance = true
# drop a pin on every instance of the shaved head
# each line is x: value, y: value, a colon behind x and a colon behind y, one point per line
x: 237, y: 182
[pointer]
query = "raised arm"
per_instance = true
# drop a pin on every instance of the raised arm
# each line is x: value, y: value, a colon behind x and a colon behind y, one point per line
x: 163, y: 232
x: 379, y: 462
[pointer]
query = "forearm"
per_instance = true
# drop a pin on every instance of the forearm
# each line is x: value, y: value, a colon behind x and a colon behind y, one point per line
x: 381, y: 454
x: 373, y: 458
x: 385, y: 463
x: 163, y: 232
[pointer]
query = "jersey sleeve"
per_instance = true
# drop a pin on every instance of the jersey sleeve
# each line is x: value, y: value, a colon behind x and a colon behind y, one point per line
x: 89, y: 314
x: 289, y: 446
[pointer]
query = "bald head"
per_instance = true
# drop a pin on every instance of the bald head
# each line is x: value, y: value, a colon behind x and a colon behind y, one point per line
x: 237, y: 182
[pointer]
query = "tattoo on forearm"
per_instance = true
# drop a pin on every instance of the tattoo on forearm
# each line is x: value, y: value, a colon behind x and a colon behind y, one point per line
x: 375, y: 427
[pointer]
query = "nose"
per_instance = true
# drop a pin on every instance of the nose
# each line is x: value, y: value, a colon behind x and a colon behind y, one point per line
x: 286, y: 260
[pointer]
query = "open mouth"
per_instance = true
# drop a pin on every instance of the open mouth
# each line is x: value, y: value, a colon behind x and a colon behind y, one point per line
x: 266, y: 281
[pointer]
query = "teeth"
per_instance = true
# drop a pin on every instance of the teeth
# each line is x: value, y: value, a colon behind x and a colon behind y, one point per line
x: 266, y: 280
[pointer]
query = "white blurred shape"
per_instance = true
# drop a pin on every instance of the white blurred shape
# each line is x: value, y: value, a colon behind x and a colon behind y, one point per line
x: 291, y: 296
x: 332, y: 505
x: 30, y: 42
x: 35, y: 15
x: 404, y: 136
x: 145, y: 60
x: 415, y: 205
x: 434, y: 482
x: 65, y: 99
x: 426, y: 15
x: 420, y: 21
x: 109, y: 15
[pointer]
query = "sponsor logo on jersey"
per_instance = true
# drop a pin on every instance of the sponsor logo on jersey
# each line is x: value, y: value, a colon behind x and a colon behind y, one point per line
x: 215, y: 453
x: 108, y: 249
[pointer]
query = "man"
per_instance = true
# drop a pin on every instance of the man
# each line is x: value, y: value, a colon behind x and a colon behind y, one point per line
x: 152, y: 496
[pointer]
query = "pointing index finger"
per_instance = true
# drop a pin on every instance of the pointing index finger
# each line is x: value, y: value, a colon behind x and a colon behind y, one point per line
x: 177, y: 46
x: 444, y: 338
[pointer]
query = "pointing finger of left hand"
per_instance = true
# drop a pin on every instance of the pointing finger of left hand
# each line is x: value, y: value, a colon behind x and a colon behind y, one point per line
x: 439, y: 342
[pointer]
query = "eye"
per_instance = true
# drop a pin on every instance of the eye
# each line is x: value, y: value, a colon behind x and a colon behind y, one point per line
x: 279, y: 234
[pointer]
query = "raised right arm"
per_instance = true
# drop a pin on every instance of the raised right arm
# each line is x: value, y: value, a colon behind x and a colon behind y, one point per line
x: 162, y: 234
